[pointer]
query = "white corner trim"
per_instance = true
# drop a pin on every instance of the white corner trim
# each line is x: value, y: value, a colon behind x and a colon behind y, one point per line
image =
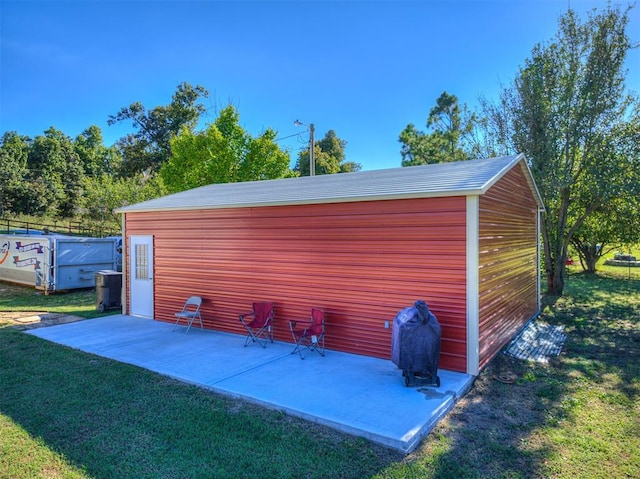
x: 539, y: 257
x: 473, y: 279
x: 125, y: 267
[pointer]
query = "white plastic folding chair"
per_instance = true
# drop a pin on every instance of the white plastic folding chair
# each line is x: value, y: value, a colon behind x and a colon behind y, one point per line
x: 190, y: 311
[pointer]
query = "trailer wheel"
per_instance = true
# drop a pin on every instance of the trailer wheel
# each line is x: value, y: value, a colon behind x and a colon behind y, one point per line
x: 101, y: 307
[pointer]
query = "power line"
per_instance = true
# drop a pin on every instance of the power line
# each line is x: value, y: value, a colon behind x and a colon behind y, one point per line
x: 285, y: 137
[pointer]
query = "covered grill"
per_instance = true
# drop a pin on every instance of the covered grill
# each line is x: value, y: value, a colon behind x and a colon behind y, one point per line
x: 415, y: 345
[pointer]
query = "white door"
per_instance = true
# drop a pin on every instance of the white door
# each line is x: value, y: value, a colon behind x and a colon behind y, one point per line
x: 141, y: 276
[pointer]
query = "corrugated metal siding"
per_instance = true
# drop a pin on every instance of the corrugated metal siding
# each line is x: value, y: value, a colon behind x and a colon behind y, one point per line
x: 508, y: 253
x: 359, y: 262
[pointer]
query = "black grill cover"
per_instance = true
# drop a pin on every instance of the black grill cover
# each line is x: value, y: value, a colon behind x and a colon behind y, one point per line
x: 415, y: 340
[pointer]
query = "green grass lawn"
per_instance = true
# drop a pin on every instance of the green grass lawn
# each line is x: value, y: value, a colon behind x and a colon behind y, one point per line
x: 78, y: 302
x: 64, y: 413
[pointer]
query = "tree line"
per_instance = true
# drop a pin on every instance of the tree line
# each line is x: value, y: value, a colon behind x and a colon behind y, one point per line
x: 568, y: 110
x: 56, y: 176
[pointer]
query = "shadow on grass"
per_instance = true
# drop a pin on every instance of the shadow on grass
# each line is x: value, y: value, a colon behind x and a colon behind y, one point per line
x: 603, y: 326
x: 113, y: 420
x: 521, y: 430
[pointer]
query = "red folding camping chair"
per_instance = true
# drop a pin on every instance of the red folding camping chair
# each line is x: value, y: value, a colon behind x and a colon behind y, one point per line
x: 260, y: 328
x: 310, y: 335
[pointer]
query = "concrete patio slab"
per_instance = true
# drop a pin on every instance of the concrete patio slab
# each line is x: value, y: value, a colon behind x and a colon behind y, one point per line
x: 358, y: 395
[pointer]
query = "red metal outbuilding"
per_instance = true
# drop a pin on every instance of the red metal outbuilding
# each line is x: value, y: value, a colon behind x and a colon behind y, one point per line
x: 360, y: 246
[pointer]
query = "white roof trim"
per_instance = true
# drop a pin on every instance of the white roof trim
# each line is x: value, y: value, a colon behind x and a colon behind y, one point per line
x: 473, y: 177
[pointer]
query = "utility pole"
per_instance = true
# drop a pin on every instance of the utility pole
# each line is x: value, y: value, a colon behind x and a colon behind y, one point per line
x: 312, y: 158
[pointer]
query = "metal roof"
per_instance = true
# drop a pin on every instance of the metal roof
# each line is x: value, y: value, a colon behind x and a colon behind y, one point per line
x: 462, y: 178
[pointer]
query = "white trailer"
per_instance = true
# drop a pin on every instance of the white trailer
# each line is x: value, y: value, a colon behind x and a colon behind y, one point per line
x: 55, y: 262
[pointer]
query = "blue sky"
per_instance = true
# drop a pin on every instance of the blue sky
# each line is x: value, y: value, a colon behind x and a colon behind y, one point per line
x: 362, y: 68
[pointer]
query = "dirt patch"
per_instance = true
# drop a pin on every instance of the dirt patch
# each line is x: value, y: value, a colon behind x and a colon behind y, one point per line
x: 24, y: 320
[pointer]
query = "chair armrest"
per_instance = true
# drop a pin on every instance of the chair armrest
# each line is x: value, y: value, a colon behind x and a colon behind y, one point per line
x: 294, y: 322
x: 242, y: 316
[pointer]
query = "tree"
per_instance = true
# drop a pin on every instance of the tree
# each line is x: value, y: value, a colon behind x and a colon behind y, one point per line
x: 149, y: 147
x: 14, y: 151
x: 55, y: 175
x: 616, y: 223
x: 450, y: 126
x: 602, y: 232
x: 566, y: 110
x: 329, y: 156
x: 104, y: 193
x: 96, y: 158
x: 223, y: 153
